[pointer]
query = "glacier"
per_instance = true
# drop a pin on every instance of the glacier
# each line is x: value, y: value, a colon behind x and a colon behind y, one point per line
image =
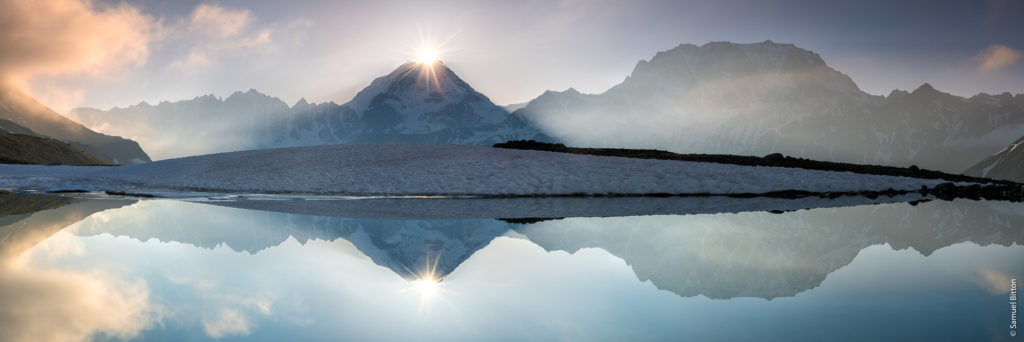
x: 425, y: 169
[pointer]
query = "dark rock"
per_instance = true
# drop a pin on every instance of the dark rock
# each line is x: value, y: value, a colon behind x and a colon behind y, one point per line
x: 528, y: 220
x: 774, y: 157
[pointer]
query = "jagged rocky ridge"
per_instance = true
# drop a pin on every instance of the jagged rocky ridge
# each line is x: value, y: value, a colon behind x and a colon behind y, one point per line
x: 724, y: 98
x: 416, y: 102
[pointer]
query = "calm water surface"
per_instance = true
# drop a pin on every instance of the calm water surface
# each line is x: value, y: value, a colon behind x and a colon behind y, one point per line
x: 115, y: 269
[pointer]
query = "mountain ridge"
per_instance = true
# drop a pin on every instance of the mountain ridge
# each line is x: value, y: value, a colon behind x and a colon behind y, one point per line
x: 1007, y: 164
x: 719, y: 98
x: 19, y: 108
x: 761, y: 98
x: 414, y: 102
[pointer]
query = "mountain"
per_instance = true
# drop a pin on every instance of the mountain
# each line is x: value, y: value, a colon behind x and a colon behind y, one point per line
x: 766, y: 97
x: 1008, y: 164
x: 416, y: 102
x: 7, y: 126
x: 26, y: 112
x: 30, y: 149
x: 20, y: 145
x: 205, y: 124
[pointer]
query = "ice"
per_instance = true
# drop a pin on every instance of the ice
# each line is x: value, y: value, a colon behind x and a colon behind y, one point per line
x: 437, y: 169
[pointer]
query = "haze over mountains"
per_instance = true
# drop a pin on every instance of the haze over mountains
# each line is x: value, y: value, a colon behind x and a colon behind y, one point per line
x: 415, y: 102
x: 750, y: 99
x: 766, y: 97
x: 34, y: 118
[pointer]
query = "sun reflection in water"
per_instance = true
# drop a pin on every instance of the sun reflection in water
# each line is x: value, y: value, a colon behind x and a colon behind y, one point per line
x: 428, y: 285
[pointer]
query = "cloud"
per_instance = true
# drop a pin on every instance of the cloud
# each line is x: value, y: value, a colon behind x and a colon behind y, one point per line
x: 997, y: 57
x: 228, y: 322
x: 54, y: 304
x: 55, y: 49
x: 219, y: 21
x: 71, y: 36
x: 212, y: 30
x: 994, y: 281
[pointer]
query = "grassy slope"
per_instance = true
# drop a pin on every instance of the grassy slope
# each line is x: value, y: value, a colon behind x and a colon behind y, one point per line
x: 27, y: 149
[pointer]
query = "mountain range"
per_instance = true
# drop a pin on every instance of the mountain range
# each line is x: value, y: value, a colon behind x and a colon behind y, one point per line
x: 755, y: 99
x: 34, y: 118
x: 749, y: 99
x: 424, y: 102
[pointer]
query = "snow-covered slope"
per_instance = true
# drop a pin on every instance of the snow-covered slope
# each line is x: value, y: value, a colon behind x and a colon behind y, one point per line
x: 755, y: 99
x: 416, y: 102
x: 435, y: 169
x: 1008, y: 164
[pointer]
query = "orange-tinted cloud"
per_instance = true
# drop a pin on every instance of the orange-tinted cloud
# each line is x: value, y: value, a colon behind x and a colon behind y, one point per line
x: 997, y: 57
x: 52, y: 37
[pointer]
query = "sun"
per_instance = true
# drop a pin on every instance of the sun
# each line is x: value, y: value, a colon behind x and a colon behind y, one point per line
x: 427, y: 56
x: 428, y: 286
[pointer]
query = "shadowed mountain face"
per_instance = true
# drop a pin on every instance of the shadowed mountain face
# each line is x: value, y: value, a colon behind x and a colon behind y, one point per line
x: 756, y: 99
x: 718, y: 256
x: 416, y: 102
x: 1008, y: 164
x: 24, y: 111
x: 20, y: 145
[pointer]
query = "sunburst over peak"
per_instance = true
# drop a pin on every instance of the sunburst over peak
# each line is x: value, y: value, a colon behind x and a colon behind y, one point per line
x: 427, y: 56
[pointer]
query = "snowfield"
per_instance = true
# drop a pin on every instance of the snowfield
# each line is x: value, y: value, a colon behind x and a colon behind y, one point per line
x: 436, y: 169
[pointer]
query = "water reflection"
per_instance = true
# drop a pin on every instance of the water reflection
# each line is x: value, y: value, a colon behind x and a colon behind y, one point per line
x: 768, y: 256
x: 752, y: 254
x: 190, y: 271
x: 57, y: 304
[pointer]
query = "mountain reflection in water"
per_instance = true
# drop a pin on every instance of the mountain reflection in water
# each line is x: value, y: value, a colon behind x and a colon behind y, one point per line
x: 718, y: 256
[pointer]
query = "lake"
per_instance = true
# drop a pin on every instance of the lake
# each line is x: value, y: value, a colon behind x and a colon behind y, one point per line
x: 270, y: 269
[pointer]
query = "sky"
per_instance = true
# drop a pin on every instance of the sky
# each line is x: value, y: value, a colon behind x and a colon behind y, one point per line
x: 102, y: 53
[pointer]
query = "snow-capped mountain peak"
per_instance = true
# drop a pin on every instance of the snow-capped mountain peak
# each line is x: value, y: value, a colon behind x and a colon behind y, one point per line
x: 415, y: 102
x: 422, y: 87
x: 423, y: 98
